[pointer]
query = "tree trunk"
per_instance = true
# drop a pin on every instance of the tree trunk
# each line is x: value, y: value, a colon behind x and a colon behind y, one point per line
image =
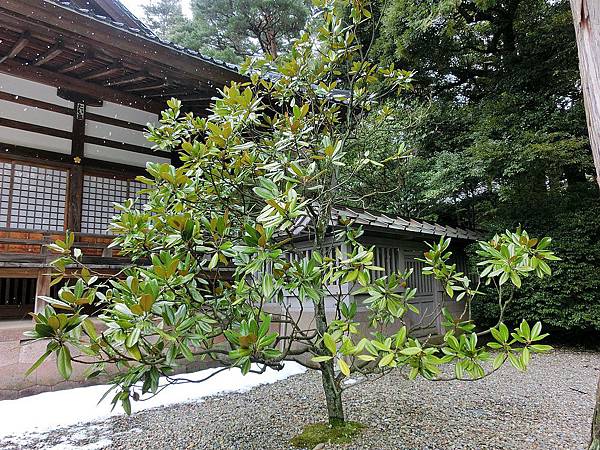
x: 586, y: 18
x: 333, y: 391
x: 595, y: 442
x: 333, y: 395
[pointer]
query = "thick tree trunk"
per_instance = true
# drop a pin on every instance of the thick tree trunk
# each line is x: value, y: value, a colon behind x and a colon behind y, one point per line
x: 586, y: 18
x: 595, y: 442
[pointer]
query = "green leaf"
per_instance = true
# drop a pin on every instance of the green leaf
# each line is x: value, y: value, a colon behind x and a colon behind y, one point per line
x: 63, y: 362
x: 38, y: 363
x: 329, y: 343
x: 320, y: 359
x: 133, y: 337
x: 90, y: 329
x: 525, y: 357
x: 344, y: 368
x: 538, y: 348
x: 498, y: 361
x: 411, y: 351
x: 386, y: 360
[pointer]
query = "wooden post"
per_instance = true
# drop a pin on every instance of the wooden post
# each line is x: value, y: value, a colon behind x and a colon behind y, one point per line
x: 76, y: 173
x: 586, y: 18
x: 42, y: 288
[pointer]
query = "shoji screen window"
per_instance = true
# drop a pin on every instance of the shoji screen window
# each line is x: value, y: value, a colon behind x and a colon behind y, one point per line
x: 99, y: 196
x: 32, y: 197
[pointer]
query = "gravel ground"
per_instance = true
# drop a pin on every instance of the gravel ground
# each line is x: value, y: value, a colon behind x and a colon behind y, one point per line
x: 549, y: 407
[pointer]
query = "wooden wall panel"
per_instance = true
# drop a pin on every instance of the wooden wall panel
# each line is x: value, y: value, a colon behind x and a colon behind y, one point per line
x: 26, y: 88
x: 38, y: 116
x: 115, y: 133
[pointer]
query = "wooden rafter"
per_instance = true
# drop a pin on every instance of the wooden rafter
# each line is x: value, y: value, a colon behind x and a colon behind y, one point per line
x: 77, y: 64
x: 19, y: 45
x: 103, y: 72
x: 131, y: 45
x: 195, y: 98
x: 180, y: 92
x: 52, y: 53
x: 150, y: 87
x: 51, y: 78
x: 128, y: 79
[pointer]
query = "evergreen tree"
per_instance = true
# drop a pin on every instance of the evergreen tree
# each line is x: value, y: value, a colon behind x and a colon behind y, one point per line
x: 163, y: 16
x: 234, y: 29
x: 497, y: 129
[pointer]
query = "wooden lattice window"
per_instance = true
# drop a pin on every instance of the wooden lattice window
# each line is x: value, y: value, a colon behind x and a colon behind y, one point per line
x: 32, y: 197
x: 423, y: 283
x: 389, y: 258
x: 5, y: 183
x: 99, y: 196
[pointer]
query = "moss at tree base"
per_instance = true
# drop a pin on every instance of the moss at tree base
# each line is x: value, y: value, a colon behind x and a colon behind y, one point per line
x: 319, y: 433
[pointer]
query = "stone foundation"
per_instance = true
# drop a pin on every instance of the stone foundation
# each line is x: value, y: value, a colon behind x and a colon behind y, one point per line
x: 16, y: 357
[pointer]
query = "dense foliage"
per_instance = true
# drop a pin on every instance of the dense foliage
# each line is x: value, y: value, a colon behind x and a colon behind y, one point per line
x: 231, y: 29
x: 215, y: 251
x: 497, y: 128
x: 163, y: 16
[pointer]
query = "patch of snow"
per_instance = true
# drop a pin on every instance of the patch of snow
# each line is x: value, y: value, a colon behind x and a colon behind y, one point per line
x: 44, y: 412
x: 350, y: 381
x: 102, y: 443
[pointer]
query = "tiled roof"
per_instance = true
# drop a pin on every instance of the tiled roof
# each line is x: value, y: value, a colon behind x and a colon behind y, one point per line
x: 145, y: 33
x: 393, y: 224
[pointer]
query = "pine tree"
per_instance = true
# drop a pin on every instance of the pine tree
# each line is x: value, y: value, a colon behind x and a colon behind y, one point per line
x: 163, y: 16
x: 234, y: 29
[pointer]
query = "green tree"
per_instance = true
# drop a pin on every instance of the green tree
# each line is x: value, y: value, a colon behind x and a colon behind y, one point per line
x: 163, y: 16
x: 233, y: 30
x: 496, y: 126
x: 215, y: 249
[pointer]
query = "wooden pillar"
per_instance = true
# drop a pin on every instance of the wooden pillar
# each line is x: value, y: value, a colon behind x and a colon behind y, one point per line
x: 42, y: 288
x: 76, y: 174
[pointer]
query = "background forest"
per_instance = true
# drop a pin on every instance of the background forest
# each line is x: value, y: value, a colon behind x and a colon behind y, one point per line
x: 495, y: 125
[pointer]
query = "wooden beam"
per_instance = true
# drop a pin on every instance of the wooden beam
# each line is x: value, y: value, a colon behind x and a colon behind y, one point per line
x: 19, y: 45
x: 115, y: 122
x: 69, y: 111
x: 52, y: 53
x: 128, y: 79
x: 151, y: 87
x: 40, y: 74
x: 33, y: 128
x: 75, y: 97
x: 21, y: 153
x: 176, y: 94
x: 26, y: 154
x: 124, y: 146
x: 35, y: 103
x: 103, y: 72
x: 116, y: 13
x: 76, y: 64
x: 195, y: 98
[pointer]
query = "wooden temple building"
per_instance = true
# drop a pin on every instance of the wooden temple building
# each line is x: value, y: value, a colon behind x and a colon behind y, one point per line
x: 79, y: 81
